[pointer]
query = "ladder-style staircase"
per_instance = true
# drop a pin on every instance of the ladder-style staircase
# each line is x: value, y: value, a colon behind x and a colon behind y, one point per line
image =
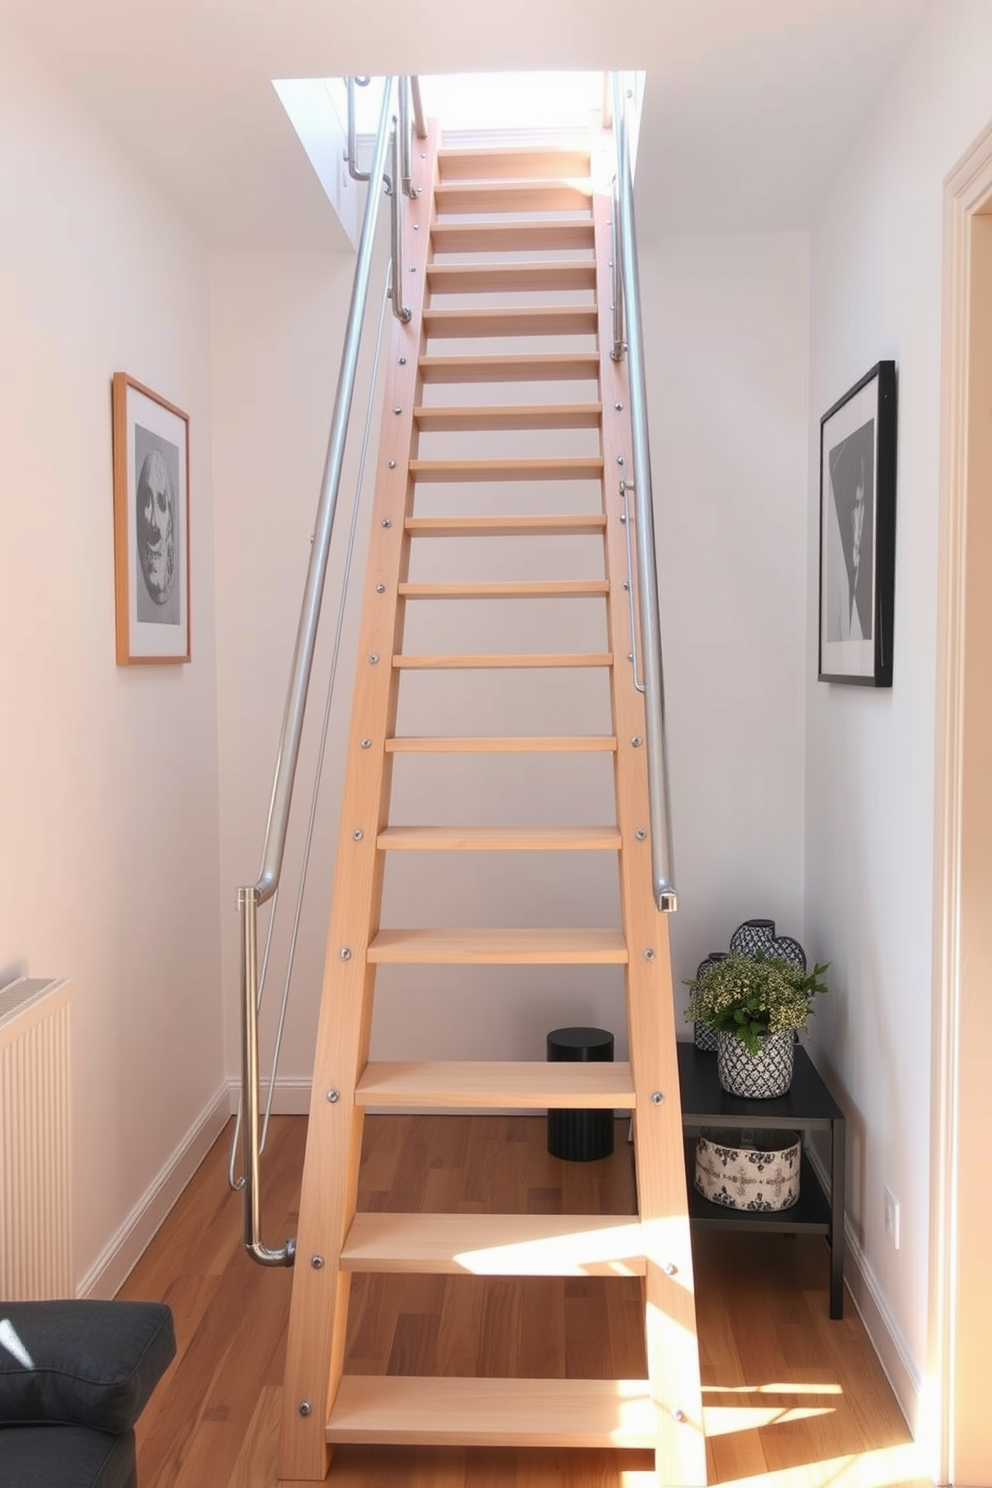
x: 510, y: 224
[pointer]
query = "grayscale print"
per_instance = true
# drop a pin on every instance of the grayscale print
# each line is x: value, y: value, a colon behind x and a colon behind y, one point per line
x: 157, y: 535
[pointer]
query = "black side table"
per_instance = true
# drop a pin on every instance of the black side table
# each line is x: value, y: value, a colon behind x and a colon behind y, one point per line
x: 807, y: 1105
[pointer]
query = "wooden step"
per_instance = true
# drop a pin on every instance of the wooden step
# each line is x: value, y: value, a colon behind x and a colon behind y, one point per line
x: 495, y: 1244
x: 435, y: 472
x: 512, y: 163
x: 512, y: 589
x: 498, y: 839
x: 486, y: 197
x: 591, y: 524
x: 499, y: 947
x: 507, y: 662
x: 509, y: 416
x: 498, y: 744
x: 511, y: 237
x: 557, y: 366
x: 523, y: 1084
x: 497, y: 278
x: 540, y: 320
x: 405, y: 1410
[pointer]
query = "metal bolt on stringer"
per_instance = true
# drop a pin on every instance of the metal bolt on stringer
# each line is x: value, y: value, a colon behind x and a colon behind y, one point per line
x: 317, y: 1262
x: 380, y: 588
x: 333, y: 1097
x: 304, y: 1407
x: 357, y: 835
x: 386, y: 522
x: 392, y: 464
x: 345, y: 953
x: 640, y: 834
x: 637, y: 741
x: 402, y: 361
x: 374, y: 659
x: 366, y: 743
x: 657, y: 1099
x: 648, y: 953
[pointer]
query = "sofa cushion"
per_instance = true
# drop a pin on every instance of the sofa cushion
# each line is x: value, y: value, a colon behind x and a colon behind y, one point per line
x: 65, y: 1457
x: 80, y: 1362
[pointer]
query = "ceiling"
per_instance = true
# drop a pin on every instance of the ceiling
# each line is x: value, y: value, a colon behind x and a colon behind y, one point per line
x: 750, y: 108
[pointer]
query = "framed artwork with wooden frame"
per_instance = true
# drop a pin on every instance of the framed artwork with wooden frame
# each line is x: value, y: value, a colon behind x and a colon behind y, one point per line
x: 151, y: 525
x: 858, y: 532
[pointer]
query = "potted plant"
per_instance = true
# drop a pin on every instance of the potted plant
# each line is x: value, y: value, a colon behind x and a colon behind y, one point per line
x: 757, y: 1005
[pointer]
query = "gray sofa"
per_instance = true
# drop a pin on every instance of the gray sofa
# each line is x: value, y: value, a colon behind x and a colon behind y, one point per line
x: 74, y: 1378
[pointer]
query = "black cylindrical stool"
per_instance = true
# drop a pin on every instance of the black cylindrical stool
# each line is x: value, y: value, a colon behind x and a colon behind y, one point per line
x: 580, y: 1136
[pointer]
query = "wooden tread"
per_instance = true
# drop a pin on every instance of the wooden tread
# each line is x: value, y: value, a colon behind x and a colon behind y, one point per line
x: 497, y: 278
x: 498, y: 839
x: 495, y: 1244
x: 511, y: 162
x: 503, y: 744
x: 510, y: 661
x: 524, y: 1084
x: 511, y: 237
x: 511, y: 589
x: 499, y: 947
x: 411, y: 1411
x: 557, y: 366
x: 484, y: 197
x: 539, y: 320
x: 580, y: 525
x: 448, y: 472
x: 509, y: 416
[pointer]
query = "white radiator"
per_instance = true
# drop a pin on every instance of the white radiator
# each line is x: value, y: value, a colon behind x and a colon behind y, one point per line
x: 35, y: 1141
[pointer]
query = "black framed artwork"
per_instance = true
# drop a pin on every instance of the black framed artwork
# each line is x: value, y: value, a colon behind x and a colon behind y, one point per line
x: 858, y: 532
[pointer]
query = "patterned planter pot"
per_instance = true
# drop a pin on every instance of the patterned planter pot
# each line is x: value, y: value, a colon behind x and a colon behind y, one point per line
x: 704, y: 1037
x: 760, y: 1076
x: 748, y: 1169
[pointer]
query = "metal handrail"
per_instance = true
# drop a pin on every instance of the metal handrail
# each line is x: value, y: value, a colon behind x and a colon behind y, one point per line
x: 619, y: 338
x: 406, y: 144
x: 665, y: 894
x: 351, y: 157
x: 401, y: 311
x: 251, y: 897
x: 418, y: 108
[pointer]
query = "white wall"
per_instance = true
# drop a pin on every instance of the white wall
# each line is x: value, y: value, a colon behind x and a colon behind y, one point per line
x: 108, y: 776
x: 876, y: 293
x: 726, y: 344
x: 727, y: 388
x: 277, y: 332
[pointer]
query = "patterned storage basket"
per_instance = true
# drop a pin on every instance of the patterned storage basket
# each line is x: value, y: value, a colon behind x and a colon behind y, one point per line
x: 748, y: 1169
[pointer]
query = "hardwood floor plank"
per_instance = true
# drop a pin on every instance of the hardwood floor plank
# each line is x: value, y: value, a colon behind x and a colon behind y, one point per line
x: 791, y: 1398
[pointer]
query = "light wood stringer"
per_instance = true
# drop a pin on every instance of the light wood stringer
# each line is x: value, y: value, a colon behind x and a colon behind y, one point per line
x: 319, y: 1310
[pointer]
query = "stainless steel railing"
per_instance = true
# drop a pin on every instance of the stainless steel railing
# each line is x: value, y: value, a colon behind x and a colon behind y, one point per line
x: 627, y: 312
x: 252, y: 896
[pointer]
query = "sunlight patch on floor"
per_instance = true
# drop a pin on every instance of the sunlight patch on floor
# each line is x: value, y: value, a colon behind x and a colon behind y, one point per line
x: 721, y: 1420
x: 890, y: 1467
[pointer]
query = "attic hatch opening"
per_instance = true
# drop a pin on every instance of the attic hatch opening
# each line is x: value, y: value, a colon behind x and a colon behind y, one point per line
x: 474, y: 109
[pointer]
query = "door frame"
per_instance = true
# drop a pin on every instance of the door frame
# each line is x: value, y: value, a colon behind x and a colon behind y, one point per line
x: 949, y: 1431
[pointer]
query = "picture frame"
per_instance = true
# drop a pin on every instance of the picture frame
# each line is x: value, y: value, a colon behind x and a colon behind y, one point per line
x: 151, y: 525
x: 857, y: 532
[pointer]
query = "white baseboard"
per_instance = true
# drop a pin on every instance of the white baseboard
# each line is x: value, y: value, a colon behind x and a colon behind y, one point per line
x: 886, y: 1336
x: 119, y: 1257
x: 290, y: 1097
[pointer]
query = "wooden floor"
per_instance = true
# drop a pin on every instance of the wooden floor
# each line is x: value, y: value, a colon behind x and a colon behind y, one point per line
x: 791, y: 1399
